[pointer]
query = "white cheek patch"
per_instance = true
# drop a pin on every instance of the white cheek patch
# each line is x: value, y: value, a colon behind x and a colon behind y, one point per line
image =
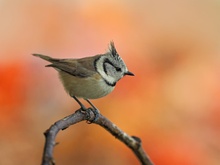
x: 100, y: 69
x: 107, y: 78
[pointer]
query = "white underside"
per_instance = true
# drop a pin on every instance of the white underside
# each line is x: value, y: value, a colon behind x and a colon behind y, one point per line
x: 88, y: 88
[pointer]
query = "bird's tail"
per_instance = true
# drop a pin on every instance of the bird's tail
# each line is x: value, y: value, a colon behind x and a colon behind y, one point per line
x: 47, y: 58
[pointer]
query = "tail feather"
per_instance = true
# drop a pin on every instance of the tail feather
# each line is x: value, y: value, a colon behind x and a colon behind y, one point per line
x: 47, y: 58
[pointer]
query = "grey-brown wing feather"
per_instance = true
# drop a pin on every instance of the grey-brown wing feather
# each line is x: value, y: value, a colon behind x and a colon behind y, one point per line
x: 79, y: 68
x: 83, y: 67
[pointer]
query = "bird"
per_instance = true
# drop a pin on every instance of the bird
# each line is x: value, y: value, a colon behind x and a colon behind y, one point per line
x: 90, y: 77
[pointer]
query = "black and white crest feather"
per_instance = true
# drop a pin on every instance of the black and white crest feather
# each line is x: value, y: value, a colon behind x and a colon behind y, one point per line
x: 113, y: 51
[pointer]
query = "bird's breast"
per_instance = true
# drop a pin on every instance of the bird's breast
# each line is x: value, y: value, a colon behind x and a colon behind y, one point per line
x: 88, y: 87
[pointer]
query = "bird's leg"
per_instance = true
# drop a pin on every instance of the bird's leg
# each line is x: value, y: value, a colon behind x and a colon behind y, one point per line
x: 94, y: 110
x: 90, y: 103
x: 81, y: 105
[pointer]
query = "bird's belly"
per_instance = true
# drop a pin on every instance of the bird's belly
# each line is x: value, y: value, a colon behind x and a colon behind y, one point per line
x: 89, y: 88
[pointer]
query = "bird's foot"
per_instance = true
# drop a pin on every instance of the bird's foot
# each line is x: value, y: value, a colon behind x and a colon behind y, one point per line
x: 95, y: 111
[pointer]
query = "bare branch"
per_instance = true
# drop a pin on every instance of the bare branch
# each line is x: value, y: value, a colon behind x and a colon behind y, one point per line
x: 134, y: 143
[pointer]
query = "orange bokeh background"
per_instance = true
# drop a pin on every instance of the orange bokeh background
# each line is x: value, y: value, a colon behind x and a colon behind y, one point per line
x: 172, y: 103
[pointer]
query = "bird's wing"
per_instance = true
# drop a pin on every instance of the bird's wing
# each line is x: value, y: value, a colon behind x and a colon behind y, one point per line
x: 83, y: 67
x: 79, y: 68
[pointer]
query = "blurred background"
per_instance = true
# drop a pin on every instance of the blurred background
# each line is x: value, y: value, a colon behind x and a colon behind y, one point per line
x: 172, y: 103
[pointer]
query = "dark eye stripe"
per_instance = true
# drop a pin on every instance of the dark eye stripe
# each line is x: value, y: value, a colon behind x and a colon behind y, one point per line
x: 106, y: 61
x: 118, y: 69
x: 109, y: 62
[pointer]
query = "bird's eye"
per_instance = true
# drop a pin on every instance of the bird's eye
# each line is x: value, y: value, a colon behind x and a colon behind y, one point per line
x: 118, y: 69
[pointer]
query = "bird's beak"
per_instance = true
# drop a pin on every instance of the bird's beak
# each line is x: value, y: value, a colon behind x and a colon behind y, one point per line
x: 129, y: 73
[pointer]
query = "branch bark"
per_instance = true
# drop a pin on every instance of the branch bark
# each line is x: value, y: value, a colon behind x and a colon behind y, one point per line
x: 134, y: 143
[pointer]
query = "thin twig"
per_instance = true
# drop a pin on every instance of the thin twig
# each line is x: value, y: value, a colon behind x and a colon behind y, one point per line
x: 133, y: 143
